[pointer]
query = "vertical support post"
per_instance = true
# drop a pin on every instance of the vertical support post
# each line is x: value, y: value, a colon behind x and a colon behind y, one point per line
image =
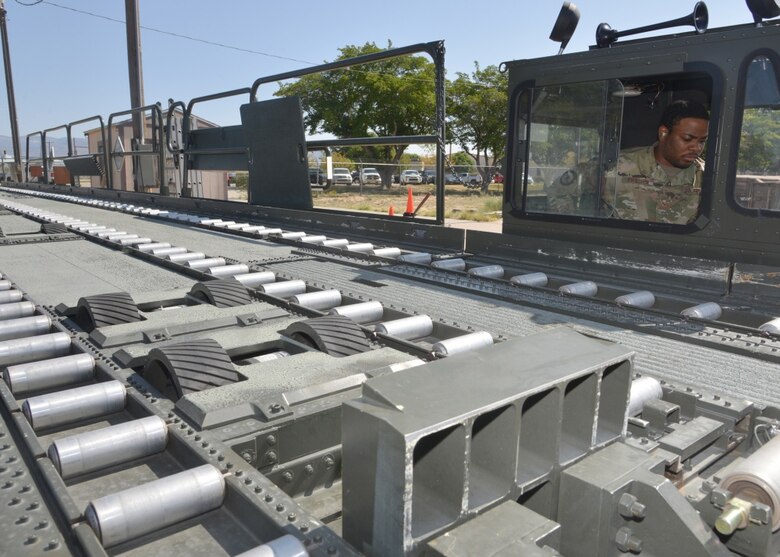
x: 9, y: 84
x: 135, y: 71
x: 438, y: 58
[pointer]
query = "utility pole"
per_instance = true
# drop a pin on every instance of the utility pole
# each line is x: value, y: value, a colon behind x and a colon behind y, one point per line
x: 9, y: 84
x: 136, y: 77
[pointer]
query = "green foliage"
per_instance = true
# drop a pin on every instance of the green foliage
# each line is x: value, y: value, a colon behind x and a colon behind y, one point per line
x: 386, y: 98
x: 462, y: 162
x: 242, y: 180
x: 760, y: 142
x: 477, y: 114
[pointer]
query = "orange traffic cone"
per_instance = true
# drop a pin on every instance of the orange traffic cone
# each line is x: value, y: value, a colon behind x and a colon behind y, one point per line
x: 409, y: 203
x: 391, y: 211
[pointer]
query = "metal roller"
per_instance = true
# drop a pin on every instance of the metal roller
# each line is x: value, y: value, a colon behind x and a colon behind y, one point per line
x: 324, y: 299
x: 283, y: 289
x: 417, y: 257
x: 184, y: 257
x: 228, y: 270
x: 641, y: 299
x: 48, y: 374
x: 268, y: 231
x: 391, y: 253
x: 5, y: 284
x: 364, y: 312
x: 11, y: 296
x: 292, y: 235
x: 251, y: 280
x: 335, y: 243
x: 134, y: 241
x: 121, y: 236
x: 708, y: 310
x: 464, y: 343
x: 210, y: 221
x: 164, y: 252
x: 153, y: 246
x: 416, y: 326
x: 586, y: 288
x: 253, y: 228
x: 73, y: 405
x: 772, y: 327
x: 268, y: 357
x: 643, y: 390
x: 14, y: 310
x: 313, y: 239
x: 25, y: 327
x: 237, y: 226
x: 105, y: 232
x: 363, y: 247
x: 755, y: 479
x: 30, y: 349
x: 224, y: 223
x: 488, y: 271
x: 285, y: 546
x: 456, y: 264
x: 145, y: 508
x: 205, y: 263
x: 86, y: 452
x: 530, y: 279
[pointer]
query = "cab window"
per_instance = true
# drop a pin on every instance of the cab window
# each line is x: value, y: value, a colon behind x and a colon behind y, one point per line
x: 757, y: 184
x: 590, y: 151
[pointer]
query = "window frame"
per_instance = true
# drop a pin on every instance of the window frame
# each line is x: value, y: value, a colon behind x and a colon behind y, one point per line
x: 518, y: 150
x: 739, y: 112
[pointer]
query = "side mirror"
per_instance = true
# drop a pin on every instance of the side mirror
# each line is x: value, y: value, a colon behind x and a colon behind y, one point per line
x: 564, y: 27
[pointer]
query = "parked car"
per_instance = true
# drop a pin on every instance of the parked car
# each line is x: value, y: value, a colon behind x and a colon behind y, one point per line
x: 498, y: 178
x: 451, y: 178
x: 470, y: 180
x: 428, y: 176
x: 317, y: 177
x: 342, y: 176
x: 410, y: 177
x: 370, y: 176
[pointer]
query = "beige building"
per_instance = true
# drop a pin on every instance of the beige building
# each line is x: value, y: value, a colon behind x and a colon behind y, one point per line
x: 211, y: 184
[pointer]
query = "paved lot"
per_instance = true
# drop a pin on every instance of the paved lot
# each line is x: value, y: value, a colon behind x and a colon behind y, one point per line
x: 490, y: 226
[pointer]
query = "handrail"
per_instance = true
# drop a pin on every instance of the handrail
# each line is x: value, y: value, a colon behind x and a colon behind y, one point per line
x: 171, y: 110
x: 45, y: 155
x: 99, y: 118
x: 27, y: 154
x: 157, y: 112
x: 185, y: 133
x: 436, y: 51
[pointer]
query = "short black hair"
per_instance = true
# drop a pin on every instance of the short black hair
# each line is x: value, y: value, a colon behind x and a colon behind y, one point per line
x: 678, y: 110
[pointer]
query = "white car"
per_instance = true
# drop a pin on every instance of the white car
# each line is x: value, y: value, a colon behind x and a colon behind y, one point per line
x: 370, y: 176
x: 342, y: 176
x: 411, y: 177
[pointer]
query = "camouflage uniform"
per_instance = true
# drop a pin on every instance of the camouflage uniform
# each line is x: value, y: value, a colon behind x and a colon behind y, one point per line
x: 638, y: 189
x: 642, y: 190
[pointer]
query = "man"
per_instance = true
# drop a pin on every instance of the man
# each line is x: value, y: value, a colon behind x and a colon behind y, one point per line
x: 658, y: 183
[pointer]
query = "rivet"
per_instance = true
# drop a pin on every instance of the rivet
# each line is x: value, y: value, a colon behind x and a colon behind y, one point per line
x: 291, y: 517
x: 269, y: 498
x: 280, y: 508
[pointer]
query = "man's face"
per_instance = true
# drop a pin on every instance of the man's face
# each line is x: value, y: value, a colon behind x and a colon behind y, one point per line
x: 682, y: 145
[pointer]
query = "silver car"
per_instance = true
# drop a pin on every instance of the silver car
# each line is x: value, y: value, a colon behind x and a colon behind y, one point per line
x: 410, y: 177
x: 342, y: 176
x: 370, y: 176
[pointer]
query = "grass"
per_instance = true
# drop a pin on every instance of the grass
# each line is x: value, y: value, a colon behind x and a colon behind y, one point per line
x: 459, y: 202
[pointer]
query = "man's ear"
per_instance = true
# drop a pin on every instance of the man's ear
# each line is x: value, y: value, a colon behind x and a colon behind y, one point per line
x: 663, y: 131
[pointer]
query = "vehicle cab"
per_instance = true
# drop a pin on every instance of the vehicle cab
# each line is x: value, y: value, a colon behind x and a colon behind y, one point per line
x: 572, y: 115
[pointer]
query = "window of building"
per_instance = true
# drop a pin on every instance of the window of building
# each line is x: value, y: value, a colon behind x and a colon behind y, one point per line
x: 757, y: 184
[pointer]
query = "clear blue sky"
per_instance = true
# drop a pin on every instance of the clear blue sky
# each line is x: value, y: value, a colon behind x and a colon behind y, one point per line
x: 69, y: 65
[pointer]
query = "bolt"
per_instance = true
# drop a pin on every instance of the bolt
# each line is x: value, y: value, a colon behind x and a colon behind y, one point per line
x: 246, y: 455
x: 271, y: 440
x: 288, y: 477
x: 275, y: 408
x: 630, y: 507
x: 291, y: 517
x: 308, y: 469
x: 280, y: 508
x: 627, y: 542
x: 329, y: 461
x: 53, y: 544
x: 271, y: 457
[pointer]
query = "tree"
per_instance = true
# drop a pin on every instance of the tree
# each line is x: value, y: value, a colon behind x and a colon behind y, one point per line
x: 386, y: 98
x: 477, y: 116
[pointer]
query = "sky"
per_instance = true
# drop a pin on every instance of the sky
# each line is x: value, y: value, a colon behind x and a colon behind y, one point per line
x: 68, y: 65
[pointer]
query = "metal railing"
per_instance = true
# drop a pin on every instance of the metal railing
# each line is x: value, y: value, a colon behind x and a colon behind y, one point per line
x: 157, y: 144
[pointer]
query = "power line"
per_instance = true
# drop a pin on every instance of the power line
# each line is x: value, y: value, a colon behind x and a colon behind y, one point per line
x: 170, y: 33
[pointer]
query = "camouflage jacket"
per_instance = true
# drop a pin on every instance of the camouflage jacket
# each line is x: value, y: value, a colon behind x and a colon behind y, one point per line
x: 638, y: 188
